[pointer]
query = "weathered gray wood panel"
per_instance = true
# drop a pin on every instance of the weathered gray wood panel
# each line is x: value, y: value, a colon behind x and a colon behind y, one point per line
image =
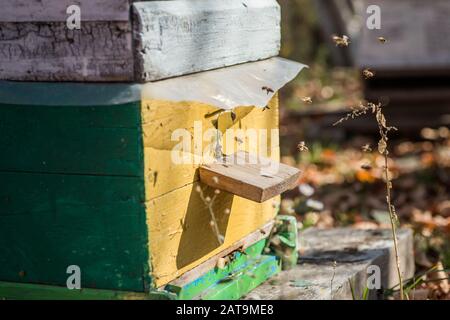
x: 174, y: 38
x: 171, y: 38
x: 55, y: 10
x: 100, y: 51
x: 417, y: 33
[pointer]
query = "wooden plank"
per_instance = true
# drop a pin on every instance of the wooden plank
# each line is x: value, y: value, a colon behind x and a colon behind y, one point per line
x: 38, y: 51
x: 92, y: 140
x: 28, y: 291
x: 55, y: 10
x: 174, y: 38
x: 249, y: 176
x: 171, y: 38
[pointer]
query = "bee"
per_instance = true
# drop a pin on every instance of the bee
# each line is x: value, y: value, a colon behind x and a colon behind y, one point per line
x: 343, y: 41
x: 307, y: 100
x: 366, y: 166
x: 302, y: 146
x: 366, y: 148
x: 233, y: 116
x: 234, y: 254
x: 382, y: 40
x: 238, y: 140
x: 267, y: 89
x: 266, y: 108
x: 367, y: 73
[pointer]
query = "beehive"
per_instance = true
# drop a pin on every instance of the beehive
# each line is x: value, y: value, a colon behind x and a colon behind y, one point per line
x: 88, y: 177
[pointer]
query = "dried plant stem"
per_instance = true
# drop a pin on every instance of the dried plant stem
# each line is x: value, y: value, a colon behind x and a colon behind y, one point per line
x: 393, y: 219
x: 209, y: 204
x: 332, y: 279
x: 215, y: 224
x: 384, y: 130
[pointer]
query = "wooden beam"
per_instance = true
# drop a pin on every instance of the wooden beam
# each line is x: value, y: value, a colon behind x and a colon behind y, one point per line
x: 174, y: 38
x: 56, y: 10
x: 245, y: 175
x: 37, y: 51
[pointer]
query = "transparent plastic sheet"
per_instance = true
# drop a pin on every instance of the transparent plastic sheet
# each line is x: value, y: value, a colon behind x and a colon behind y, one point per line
x: 226, y: 88
x: 249, y: 84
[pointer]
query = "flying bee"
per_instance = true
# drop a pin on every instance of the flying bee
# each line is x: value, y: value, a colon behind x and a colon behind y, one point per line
x: 302, y: 146
x: 382, y: 40
x: 366, y: 166
x: 238, y: 140
x: 366, y: 148
x: 307, y: 100
x: 343, y: 41
x: 266, y: 108
x: 267, y: 89
x: 367, y: 73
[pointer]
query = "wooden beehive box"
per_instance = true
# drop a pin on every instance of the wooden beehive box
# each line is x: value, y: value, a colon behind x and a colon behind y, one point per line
x: 87, y: 173
x: 153, y: 40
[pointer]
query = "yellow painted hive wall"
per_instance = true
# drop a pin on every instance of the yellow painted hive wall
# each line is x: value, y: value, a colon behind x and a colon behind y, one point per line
x: 180, y: 234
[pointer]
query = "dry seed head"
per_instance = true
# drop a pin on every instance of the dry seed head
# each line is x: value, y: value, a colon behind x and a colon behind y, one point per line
x: 217, y: 191
x: 215, y: 179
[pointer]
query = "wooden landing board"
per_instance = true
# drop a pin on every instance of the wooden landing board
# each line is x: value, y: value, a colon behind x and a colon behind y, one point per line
x: 174, y: 38
x: 248, y: 176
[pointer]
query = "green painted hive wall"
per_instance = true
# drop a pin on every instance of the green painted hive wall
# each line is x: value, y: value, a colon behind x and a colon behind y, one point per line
x: 72, y: 193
